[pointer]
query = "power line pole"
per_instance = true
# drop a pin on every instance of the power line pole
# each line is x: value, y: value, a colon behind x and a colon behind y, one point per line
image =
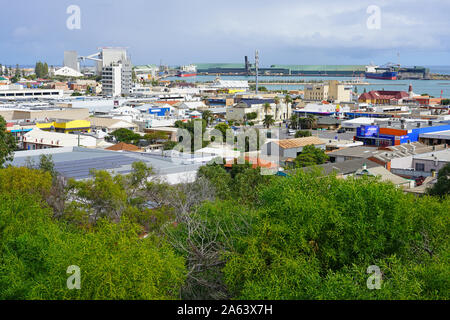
x: 256, y: 69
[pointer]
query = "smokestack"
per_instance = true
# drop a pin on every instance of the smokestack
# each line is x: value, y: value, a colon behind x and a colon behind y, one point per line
x: 247, y: 66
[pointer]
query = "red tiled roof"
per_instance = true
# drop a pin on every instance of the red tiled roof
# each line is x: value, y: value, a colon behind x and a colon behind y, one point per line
x: 383, y: 95
x: 167, y: 102
x: 123, y: 147
x: 255, y: 162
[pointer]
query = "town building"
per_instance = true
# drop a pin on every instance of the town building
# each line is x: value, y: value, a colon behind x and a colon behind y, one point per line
x: 68, y: 72
x: 428, y: 101
x: 77, y: 162
x: 321, y: 109
x: 22, y: 93
x: 109, y: 125
x: 66, y: 126
x: 146, y: 72
x: 424, y: 164
x: 230, y: 86
x: 38, y: 139
x: 116, y: 72
x: 385, y: 176
x: 333, y: 91
x: 38, y: 112
x: 289, y: 149
x: 397, y: 131
x: 383, y: 97
x: 124, y: 147
x: 435, y: 138
x: 239, y: 112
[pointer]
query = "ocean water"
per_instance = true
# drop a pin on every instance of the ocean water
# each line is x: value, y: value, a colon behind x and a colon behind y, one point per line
x: 439, y: 69
x: 431, y: 87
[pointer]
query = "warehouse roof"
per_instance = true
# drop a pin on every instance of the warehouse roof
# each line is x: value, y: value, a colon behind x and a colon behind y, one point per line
x: 219, y: 65
x: 321, y: 68
x: 110, y: 123
x: 299, y: 142
x: 75, y: 162
x: 443, y: 155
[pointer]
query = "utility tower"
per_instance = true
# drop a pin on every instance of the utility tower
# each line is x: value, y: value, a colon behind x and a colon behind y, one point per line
x: 257, y: 69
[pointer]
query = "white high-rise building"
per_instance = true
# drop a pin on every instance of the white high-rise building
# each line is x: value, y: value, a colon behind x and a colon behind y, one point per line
x: 116, y: 72
x: 116, y: 79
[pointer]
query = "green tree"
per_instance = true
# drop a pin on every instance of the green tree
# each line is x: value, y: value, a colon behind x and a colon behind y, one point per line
x: 156, y: 136
x: 169, y: 145
x: 268, y: 121
x: 267, y: 108
x: 126, y: 135
x: 45, y: 70
x: 442, y: 186
x: 190, y: 127
x: 277, y: 101
x: 219, y: 178
x: 310, y: 120
x: 316, y: 236
x: 39, y: 69
x: 303, y: 134
x: 252, y: 116
x: 7, y: 143
x: 208, y: 117
x: 16, y: 77
x: 115, y: 263
x: 310, y: 156
x: 223, y: 128
x: 287, y: 100
x: 294, y: 121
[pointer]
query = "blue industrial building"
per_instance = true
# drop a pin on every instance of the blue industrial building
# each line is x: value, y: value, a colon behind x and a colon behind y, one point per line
x: 159, y: 112
x: 375, y: 135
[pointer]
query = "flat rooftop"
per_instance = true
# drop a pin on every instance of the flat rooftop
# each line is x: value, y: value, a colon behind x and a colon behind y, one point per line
x: 76, y: 162
x: 388, y: 154
x: 438, y: 156
x: 443, y: 135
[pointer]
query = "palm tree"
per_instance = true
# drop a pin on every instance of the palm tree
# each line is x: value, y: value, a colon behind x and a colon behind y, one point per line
x: 287, y: 101
x: 268, y: 121
x: 294, y: 121
x: 267, y: 107
x: 207, y: 116
x: 310, y: 120
x: 276, y: 100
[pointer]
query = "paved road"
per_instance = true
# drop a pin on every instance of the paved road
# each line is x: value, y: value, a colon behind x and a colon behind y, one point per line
x: 326, y: 134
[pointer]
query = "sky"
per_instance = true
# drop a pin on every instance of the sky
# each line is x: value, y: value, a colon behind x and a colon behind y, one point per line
x: 177, y: 32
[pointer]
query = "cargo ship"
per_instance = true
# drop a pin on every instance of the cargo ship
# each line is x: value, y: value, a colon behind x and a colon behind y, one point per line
x: 388, y: 72
x: 187, y: 71
x: 183, y: 74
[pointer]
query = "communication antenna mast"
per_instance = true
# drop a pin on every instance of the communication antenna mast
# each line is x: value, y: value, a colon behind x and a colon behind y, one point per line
x: 257, y: 68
